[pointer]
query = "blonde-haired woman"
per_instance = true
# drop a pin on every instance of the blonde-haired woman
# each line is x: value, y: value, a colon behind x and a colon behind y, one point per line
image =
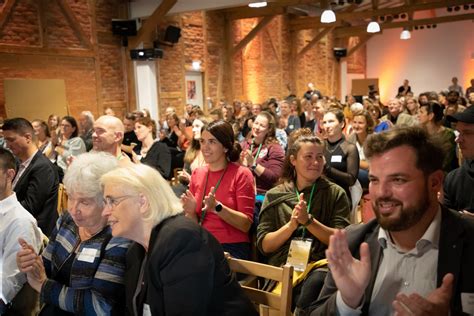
x: 175, y: 267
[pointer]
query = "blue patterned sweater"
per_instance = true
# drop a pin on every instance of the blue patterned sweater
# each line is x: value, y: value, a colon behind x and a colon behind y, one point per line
x: 96, y: 288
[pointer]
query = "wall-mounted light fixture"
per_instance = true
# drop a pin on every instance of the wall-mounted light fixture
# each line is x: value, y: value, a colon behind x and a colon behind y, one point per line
x: 196, y: 65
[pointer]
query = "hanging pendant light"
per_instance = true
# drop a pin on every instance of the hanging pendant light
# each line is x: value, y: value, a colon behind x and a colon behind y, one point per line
x: 373, y: 27
x: 405, y: 34
x: 258, y: 4
x: 328, y: 16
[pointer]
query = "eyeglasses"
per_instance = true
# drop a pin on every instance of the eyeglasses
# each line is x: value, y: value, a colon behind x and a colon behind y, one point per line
x: 115, y: 201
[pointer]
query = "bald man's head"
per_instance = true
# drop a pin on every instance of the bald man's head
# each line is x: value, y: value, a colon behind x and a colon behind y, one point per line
x: 108, y: 134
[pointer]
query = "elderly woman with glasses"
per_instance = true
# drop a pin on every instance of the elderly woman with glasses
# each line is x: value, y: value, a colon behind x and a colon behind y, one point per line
x: 174, y: 266
x: 81, y: 270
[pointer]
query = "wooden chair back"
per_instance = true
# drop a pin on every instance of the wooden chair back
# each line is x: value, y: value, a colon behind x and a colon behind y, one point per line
x: 265, y: 300
x: 62, y: 199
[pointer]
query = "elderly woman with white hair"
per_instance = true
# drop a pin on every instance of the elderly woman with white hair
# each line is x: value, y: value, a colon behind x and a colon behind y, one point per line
x: 81, y: 270
x: 175, y: 267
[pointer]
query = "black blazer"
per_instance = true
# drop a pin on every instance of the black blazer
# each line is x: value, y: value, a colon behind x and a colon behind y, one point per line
x: 185, y: 273
x: 456, y: 256
x: 37, y: 191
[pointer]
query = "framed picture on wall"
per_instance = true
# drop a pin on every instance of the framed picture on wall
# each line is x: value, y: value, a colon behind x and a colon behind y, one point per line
x: 194, y: 88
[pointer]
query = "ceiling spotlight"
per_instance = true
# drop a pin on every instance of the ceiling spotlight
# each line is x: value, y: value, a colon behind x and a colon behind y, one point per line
x: 435, y: 26
x: 472, y: 6
x: 450, y: 9
x: 466, y: 7
x: 416, y: 27
x: 428, y: 26
x: 382, y: 18
x: 373, y: 27
x: 403, y: 15
x: 421, y: 27
x: 405, y: 34
x: 457, y: 8
x: 358, y: 1
x: 328, y: 16
x: 396, y: 16
x: 341, y: 2
x: 258, y: 4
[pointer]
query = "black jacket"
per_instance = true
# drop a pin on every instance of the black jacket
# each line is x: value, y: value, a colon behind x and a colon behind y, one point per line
x: 37, y: 191
x: 185, y: 273
x: 456, y: 256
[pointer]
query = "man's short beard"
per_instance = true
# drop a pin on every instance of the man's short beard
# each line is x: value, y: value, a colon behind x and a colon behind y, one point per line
x: 408, y: 216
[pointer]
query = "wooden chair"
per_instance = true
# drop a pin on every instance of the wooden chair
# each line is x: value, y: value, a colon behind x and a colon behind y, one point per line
x: 266, y: 301
x: 62, y: 199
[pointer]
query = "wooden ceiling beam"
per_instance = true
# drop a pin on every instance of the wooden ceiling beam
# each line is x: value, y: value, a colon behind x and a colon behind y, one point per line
x: 74, y: 23
x: 6, y: 11
x: 314, y: 41
x: 151, y: 22
x: 65, y: 52
x: 251, y: 35
x: 359, y: 30
x: 273, y: 8
x: 313, y: 22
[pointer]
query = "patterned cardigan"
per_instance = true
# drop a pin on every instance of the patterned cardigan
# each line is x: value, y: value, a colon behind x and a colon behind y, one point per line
x: 96, y: 288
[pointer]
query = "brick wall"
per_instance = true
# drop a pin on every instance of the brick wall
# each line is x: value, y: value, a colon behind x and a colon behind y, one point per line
x: 96, y: 77
x: 41, y: 43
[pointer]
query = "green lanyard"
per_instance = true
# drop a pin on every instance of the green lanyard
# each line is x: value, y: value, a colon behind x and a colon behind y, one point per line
x: 308, y: 208
x: 256, y: 155
x: 204, y: 211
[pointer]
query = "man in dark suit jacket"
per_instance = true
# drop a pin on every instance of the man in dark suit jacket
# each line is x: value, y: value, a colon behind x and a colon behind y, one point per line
x: 36, y: 182
x: 416, y: 258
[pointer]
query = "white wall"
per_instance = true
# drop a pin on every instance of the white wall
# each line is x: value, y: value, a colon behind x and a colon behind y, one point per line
x: 428, y: 60
x: 145, y: 86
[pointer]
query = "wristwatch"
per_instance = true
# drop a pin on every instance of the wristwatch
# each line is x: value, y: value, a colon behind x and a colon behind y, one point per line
x: 218, y: 207
x: 309, y: 221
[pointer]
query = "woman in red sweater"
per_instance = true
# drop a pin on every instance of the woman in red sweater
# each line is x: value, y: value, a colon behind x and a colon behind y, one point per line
x: 221, y: 194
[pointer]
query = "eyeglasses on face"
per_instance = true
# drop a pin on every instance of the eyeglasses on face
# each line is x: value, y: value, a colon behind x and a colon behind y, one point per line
x: 115, y: 201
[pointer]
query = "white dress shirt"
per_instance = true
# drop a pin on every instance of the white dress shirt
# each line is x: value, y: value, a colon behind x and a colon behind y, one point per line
x: 409, y: 272
x: 15, y: 222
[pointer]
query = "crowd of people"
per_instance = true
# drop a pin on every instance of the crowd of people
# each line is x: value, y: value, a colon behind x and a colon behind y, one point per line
x: 153, y: 205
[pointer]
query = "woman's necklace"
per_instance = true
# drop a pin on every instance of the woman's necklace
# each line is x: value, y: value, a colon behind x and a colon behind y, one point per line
x: 332, y: 147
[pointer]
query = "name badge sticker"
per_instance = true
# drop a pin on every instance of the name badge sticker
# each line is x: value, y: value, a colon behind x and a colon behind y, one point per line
x: 88, y: 255
x: 336, y: 158
x: 298, y: 254
x: 467, y: 301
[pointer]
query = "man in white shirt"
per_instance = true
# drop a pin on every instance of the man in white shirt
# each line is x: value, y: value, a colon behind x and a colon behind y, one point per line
x: 416, y: 257
x: 15, y: 222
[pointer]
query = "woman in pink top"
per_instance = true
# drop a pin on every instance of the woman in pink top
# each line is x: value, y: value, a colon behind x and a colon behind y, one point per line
x: 221, y: 194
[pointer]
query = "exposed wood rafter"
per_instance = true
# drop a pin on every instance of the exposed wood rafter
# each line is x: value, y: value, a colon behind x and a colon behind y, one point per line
x: 74, y: 23
x: 251, y: 35
x: 273, y: 8
x: 150, y: 23
x: 20, y: 50
x: 5, y: 13
x: 313, y: 22
x: 314, y: 41
x: 360, y: 30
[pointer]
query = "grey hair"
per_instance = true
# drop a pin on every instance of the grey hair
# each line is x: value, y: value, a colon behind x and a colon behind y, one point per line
x: 83, y: 175
x: 89, y: 118
x: 141, y: 179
